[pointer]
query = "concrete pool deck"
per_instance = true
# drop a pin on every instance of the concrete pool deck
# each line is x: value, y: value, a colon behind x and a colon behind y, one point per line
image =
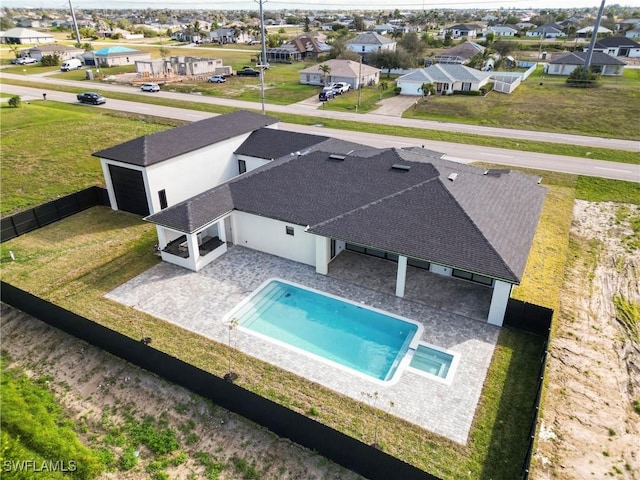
x: 199, y: 302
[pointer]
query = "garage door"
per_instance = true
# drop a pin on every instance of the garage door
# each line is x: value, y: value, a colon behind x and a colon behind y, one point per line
x: 128, y: 186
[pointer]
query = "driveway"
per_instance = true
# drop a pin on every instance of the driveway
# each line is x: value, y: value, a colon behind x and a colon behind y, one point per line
x: 395, y: 106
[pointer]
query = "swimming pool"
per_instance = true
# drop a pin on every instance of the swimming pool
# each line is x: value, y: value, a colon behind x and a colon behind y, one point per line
x: 364, y: 339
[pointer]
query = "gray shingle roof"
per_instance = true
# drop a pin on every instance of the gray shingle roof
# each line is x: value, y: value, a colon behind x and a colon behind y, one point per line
x: 369, y: 38
x: 578, y: 58
x: 607, y: 42
x: 157, y: 147
x: 269, y: 143
x: 479, y: 223
x: 445, y: 73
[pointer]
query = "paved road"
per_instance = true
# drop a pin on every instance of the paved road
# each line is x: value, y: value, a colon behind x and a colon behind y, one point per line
x: 453, y: 151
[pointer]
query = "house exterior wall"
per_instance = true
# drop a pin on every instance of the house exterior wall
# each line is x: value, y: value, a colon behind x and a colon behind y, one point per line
x: 119, y: 60
x: 311, y: 79
x: 499, y: 299
x: 368, y: 47
x: 607, y: 70
x: 269, y: 236
x: 252, y: 162
x: 187, y: 175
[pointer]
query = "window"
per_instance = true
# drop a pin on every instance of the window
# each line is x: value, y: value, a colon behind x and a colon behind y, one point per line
x: 473, y: 277
x: 289, y: 230
x: 242, y: 166
x: 162, y: 195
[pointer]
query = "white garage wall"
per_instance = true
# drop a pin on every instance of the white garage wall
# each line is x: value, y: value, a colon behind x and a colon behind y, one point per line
x: 266, y: 235
x: 187, y: 175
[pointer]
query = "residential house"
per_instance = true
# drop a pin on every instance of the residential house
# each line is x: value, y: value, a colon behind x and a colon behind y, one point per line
x: 617, y: 47
x: 183, y: 66
x: 446, y: 78
x: 64, y: 52
x: 383, y: 29
x: 310, y: 198
x: 308, y: 46
x: 467, y: 30
x: 460, y: 54
x: 548, y: 30
x: 601, y: 62
x: 586, y: 32
x: 228, y: 35
x: 633, y: 33
x: 370, y: 42
x: 118, y: 56
x: 355, y: 74
x: 502, y: 31
x: 25, y: 36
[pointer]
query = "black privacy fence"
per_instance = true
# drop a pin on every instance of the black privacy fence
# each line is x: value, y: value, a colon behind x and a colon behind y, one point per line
x: 28, y: 220
x: 340, y: 448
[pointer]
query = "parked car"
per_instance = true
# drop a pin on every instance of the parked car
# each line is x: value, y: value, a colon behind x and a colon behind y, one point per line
x: 71, y: 64
x: 327, y: 95
x: 248, y: 72
x: 25, y: 60
x: 341, y: 87
x: 150, y: 87
x: 91, y: 97
x: 216, y: 79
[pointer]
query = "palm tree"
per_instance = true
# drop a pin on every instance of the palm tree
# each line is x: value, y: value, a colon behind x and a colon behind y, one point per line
x: 326, y: 70
x: 427, y: 89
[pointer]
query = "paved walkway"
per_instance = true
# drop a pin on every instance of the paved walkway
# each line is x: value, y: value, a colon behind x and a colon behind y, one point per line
x: 200, y: 301
x: 394, y: 106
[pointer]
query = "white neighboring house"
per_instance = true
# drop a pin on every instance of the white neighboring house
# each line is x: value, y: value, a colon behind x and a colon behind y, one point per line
x: 633, y: 33
x: 341, y: 71
x: 446, y: 78
x: 25, y: 35
x: 118, y: 56
x: 370, y: 42
x: 601, y: 62
x: 308, y: 198
x: 502, y: 31
x: 617, y: 47
x: 588, y: 31
x: 548, y: 30
x: 464, y: 30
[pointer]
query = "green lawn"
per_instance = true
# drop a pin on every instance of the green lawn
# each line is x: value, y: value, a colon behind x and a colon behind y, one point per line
x: 545, y: 103
x: 76, y: 261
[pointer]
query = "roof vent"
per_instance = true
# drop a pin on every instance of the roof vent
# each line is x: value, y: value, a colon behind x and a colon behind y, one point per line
x: 496, y: 172
x: 335, y: 156
x: 400, y: 167
x: 452, y: 177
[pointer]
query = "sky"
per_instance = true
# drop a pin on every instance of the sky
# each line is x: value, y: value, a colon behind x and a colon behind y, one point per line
x: 316, y: 4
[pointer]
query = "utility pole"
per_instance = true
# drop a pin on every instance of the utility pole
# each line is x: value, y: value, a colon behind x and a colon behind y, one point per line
x: 594, y: 38
x: 75, y: 23
x: 359, y: 83
x: 262, y: 63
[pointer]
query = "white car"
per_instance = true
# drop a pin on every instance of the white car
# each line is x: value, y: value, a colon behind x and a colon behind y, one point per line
x: 150, y: 87
x: 25, y: 60
x: 216, y: 79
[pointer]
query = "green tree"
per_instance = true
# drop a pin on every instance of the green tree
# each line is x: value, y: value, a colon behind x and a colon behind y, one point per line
x: 307, y: 22
x: 164, y: 52
x: 390, y: 60
x: 358, y: 23
x: 383, y: 87
x: 412, y: 45
x: 504, y: 47
x: 583, y: 79
x: 15, y: 101
x: 50, y: 60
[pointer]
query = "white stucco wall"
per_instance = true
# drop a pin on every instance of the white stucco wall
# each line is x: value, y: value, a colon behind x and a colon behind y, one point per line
x: 267, y: 235
x: 251, y: 162
x: 187, y: 175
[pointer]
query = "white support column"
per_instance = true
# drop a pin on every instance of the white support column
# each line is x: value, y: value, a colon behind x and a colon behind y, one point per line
x: 499, y: 299
x: 323, y: 252
x: 194, y: 251
x: 162, y: 239
x: 401, y: 276
x: 222, y: 234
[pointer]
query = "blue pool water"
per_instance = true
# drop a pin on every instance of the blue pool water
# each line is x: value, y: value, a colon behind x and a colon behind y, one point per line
x: 365, y: 340
x: 432, y: 361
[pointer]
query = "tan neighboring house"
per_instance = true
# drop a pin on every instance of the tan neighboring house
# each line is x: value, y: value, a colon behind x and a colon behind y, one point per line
x: 181, y: 65
x: 341, y: 71
x: 64, y: 52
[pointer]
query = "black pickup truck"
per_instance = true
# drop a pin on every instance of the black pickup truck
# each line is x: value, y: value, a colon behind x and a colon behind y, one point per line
x: 91, y: 97
x: 248, y: 72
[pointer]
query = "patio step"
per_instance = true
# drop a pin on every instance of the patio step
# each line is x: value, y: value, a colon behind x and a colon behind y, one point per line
x: 271, y: 293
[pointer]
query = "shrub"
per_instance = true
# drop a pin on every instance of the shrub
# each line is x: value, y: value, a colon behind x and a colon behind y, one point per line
x: 397, y: 90
x: 581, y: 79
x: 50, y: 60
x: 15, y: 101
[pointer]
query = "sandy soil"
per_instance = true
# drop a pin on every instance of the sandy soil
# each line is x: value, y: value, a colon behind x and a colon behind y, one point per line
x: 589, y: 428
x: 92, y: 383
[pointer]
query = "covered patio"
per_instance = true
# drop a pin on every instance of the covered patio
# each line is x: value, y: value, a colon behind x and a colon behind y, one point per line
x: 452, y: 295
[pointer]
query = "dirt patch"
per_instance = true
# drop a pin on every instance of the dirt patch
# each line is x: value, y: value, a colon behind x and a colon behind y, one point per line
x: 589, y: 428
x: 99, y: 391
